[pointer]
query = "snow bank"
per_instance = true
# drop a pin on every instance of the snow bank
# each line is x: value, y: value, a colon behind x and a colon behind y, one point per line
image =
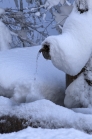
x: 19, y: 67
x: 45, y: 114
x: 5, y: 36
x: 70, y: 51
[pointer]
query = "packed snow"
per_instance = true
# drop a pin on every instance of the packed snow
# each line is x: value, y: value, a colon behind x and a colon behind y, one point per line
x: 71, y: 50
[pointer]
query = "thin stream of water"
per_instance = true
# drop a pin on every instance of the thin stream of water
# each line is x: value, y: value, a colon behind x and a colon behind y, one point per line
x: 35, y: 74
x: 36, y: 66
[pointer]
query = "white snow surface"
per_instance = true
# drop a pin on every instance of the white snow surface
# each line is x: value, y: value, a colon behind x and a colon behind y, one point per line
x: 5, y: 36
x: 31, y: 133
x: 49, y: 116
x: 71, y: 50
x: 24, y: 78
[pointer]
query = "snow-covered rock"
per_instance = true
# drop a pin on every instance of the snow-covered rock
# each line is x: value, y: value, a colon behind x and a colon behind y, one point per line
x: 70, y: 51
x: 45, y: 114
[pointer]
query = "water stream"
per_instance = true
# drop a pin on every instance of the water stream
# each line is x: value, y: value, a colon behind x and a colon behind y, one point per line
x: 35, y: 74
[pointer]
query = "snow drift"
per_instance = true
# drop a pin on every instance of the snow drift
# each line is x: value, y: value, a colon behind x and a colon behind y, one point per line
x: 70, y: 51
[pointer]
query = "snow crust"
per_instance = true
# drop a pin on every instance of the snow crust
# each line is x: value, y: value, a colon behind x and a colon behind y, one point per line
x: 5, y: 36
x: 24, y: 78
x: 71, y: 50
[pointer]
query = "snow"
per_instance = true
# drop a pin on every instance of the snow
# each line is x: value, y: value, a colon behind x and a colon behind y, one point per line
x: 2, y: 11
x: 30, y: 86
x: 79, y: 92
x: 37, y: 14
x: 5, y: 36
x: 82, y: 4
x: 18, y: 70
x: 55, y: 120
x: 50, y: 3
x: 70, y: 51
x: 31, y: 133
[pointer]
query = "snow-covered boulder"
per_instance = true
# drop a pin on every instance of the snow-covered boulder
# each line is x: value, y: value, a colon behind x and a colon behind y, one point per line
x: 24, y: 78
x: 70, y: 51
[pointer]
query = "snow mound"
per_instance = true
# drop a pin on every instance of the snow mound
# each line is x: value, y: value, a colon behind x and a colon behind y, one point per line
x: 70, y: 51
x: 45, y: 114
x: 24, y: 78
